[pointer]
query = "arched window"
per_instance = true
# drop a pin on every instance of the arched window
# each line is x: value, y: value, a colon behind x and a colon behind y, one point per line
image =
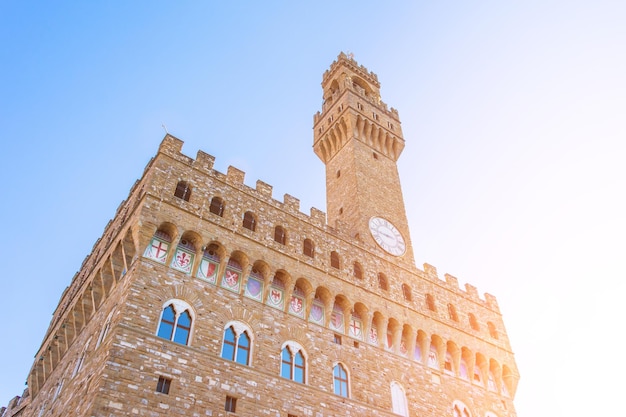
x: 175, y: 324
x: 452, y: 313
x: 105, y: 330
x: 473, y: 322
x: 340, y: 379
x: 249, y: 221
x: 334, y: 260
x: 81, y: 359
x: 308, y: 248
x: 237, y: 344
x: 183, y: 191
x: 398, y: 400
x: 293, y: 363
x: 406, y: 292
x: 358, y: 270
x: 460, y: 410
x: 493, y: 332
x: 430, y: 302
x: 58, y: 390
x: 382, y: 282
x: 217, y: 206
x: 279, y: 235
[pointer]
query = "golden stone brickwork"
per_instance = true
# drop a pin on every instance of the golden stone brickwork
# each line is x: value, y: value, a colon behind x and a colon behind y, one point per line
x: 444, y: 348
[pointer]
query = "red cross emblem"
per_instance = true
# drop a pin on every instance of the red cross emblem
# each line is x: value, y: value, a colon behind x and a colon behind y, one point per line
x: 355, y: 326
x: 157, y: 249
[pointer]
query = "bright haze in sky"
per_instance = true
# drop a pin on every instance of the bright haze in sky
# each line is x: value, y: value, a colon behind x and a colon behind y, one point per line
x: 514, y: 116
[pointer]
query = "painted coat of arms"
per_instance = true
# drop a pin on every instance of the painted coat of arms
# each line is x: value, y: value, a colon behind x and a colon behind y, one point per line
x: 254, y: 288
x: 317, y: 314
x: 336, y: 321
x: 275, y: 298
x: 157, y: 250
x: 373, y: 336
x: 296, y: 306
x: 356, y: 328
x: 207, y: 271
x: 231, y: 280
x: 183, y: 261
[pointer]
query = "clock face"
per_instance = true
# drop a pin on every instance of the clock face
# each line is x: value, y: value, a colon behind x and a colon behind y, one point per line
x: 387, y: 236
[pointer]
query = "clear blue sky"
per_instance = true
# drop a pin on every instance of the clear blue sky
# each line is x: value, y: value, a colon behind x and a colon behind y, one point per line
x: 513, y: 171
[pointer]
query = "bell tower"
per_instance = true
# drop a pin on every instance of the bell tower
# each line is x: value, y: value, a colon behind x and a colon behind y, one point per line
x: 359, y: 140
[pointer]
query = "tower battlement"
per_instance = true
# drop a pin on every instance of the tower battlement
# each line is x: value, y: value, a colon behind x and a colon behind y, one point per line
x: 173, y: 147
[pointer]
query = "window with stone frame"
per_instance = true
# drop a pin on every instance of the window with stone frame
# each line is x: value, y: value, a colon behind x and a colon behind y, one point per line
x: 175, y: 323
x: 334, y: 260
x: 340, y: 381
x: 217, y: 206
x: 237, y: 343
x: 279, y: 235
x: 406, y: 292
x: 231, y: 404
x: 452, y: 312
x: 293, y: 363
x: 105, y: 330
x: 163, y: 385
x: 308, y: 248
x: 399, y: 404
x: 460, y: 410
x: 473, y: 322
x: 382, y: 282
x: 249, y: 221
x: 183, y: 191
x: 430, y: 302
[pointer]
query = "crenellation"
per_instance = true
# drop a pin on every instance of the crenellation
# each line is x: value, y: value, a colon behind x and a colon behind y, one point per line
x: 204, y: 162
x: 431, y: 271
x: 292, y: 203
x: 264, y: 189
x: 472, y: 291
x: 492, y: 302
x: 235, y: 175
x: 452, y: 281
x: 318, y: 217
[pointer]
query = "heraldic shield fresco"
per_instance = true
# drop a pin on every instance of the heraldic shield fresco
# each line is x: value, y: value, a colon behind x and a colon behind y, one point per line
x: 254, y: 286
x: 276, y: 294
x: 158, y: 247
x: 317, y: 312
x: 232, y: 276
x: 209, y: 265
x: 296, y: 305
x: 183, y: 258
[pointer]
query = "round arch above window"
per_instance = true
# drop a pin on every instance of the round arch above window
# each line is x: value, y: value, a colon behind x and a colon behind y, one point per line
x: 459, y: 409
